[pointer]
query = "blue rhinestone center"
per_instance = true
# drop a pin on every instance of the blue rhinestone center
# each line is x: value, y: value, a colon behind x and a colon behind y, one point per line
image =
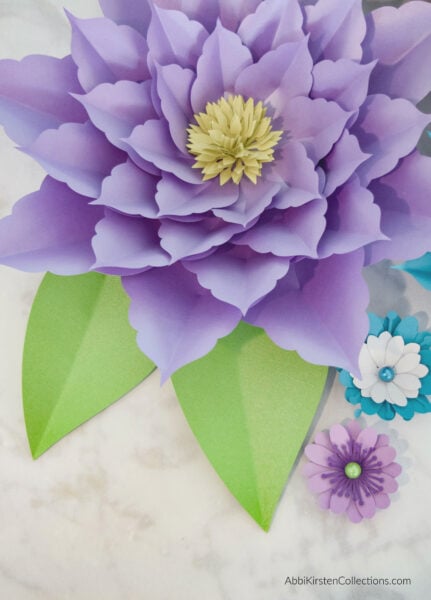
x: 387, y: 374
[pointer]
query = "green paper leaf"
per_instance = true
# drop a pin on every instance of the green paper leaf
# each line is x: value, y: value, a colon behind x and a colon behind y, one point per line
x: 80, y: 355
x: 250, y: 404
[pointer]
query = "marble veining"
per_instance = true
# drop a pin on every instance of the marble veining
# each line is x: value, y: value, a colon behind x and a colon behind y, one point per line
x: 128, y: 508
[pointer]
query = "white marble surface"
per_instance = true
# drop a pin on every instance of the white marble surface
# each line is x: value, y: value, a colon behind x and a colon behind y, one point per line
x: 127, y: 507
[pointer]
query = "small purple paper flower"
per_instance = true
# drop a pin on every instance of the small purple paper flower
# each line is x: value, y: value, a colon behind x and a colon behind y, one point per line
x: 352, y: 470
x: 229, y: 160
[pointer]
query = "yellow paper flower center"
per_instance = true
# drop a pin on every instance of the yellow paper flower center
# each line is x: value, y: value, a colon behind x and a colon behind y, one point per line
x: 232, y: 138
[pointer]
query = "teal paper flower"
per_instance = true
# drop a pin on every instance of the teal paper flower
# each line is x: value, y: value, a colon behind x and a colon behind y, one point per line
x: 395, y: 367
x: 420, y: 268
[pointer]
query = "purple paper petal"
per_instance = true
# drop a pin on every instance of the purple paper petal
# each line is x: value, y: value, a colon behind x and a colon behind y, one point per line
x: 353, y: 428
x: 320, y: 126
x: 298, y: 171
x: 404, y: 199
x: 353, y: 220
x: 152, y: 141
x: 385, y: 455
x: 338, y: 504
x: 252, y: 201
x: 116, y: 109
x: 135, y: 13
x: 353, y: 513
x: 343, y: 81
x: 274, y: 23
x: 173, y: 87
x: 173, y: 38
x: 177, y: 320
x: 367, y: 507
x: 318, y: 454
x: 382, y: 500
x: 177, y: 198
x: 34, y: 96
x: 183, y: 240
x: 238, y: 275
x: 339, y: 436
x: 77, y: 154
x: 310, y: 469
x: 232, y: 13
x: 105, y: 52
x: 288, y: 233
x: 337, y: 29
x: 202, y: 11
x: 282, y: 74
x: 50, y: 230
x: 318, y: 309
x: 322, y: 438
x: 390, y: 485
x: 318, y: 484
x: 223, y: 59
x: 123, y: 245
x: 401, y: 40
x: 130, y: 190
x: 367, y: 438
x: 394, y: 469
x: 388, y: 130
x: 343, y: 161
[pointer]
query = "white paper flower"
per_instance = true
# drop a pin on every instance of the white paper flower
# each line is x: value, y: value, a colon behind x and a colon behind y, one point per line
x: 391, y: 369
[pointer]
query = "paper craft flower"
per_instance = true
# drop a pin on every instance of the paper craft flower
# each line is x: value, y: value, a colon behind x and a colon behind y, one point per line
x: 395, y: 369
x: 420, y: 268
x: 229, y: 160
x: 352, y: 470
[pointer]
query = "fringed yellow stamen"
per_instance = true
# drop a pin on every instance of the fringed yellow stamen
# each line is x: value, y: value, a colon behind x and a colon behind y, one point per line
x: 232, y: 138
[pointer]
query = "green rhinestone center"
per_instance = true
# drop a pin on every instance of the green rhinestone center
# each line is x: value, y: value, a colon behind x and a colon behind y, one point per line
x: 353, y: 470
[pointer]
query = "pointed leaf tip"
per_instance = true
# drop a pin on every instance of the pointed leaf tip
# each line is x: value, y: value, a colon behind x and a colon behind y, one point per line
x: 80, y: 355
x: 250, y: 405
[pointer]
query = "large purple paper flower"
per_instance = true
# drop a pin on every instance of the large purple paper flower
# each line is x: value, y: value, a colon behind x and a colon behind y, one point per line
x: 352, y: 470
x: 228, y: 159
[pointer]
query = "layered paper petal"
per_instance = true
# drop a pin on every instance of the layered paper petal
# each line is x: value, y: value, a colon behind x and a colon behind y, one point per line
x: 282, y: 74
x: 124, y: 245
x: 252, y: 201
x: 78, y: 155
x: 320, y: 126
x: 318, y: 309
x: 185, y: 239
x: 135, y: 13
x: 295, y: 169
x: 173, y: 86
x: 288, y: 233
x: 35, y: 94
x: 178, y: 199
x: 175, y: 39
x: 403, y: 197
x: 343, y: 161
x: 223, y: 59
x: 387, y: 130
x: 116, y: 109
x: 344, y: 81
x: 272, y: 24
x: 400, y: 40
x: 152, y: 142
x: 50, y: 230
x: 352, y: 220
x: 130, y: 190
x: 177, y: 320
x: 337, y: 29
x: 105, y: 52
x: 238, y: 275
